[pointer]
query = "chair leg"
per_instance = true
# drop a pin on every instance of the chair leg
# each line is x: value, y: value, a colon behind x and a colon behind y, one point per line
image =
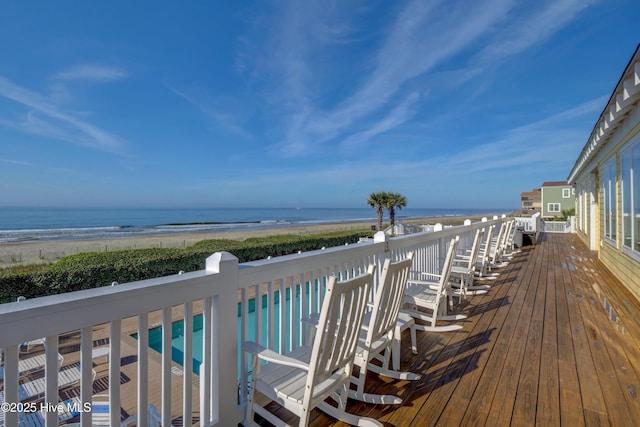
x: 412, y: 331
x: 404, y: 321
x: 249, y: 414
x: 395, y: 351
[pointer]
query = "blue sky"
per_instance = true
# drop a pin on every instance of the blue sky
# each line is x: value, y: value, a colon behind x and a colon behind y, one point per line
x: 455, y: 104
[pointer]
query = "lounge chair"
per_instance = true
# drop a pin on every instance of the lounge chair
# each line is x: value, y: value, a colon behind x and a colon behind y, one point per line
x: 100, y: 408
x: 37, y: 419
x: 36, y: 388
x: 30, y: 364
x: 307, y: 376
x: 427, y: 300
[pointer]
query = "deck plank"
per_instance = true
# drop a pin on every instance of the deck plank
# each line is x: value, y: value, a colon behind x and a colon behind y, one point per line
x: 520, y: 314
x: 571, y: 408
x: 548, y: 407
x: 540, y: 348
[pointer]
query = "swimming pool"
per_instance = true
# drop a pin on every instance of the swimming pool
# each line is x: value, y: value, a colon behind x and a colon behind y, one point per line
x: 177, y: 332
x: 177, y: 341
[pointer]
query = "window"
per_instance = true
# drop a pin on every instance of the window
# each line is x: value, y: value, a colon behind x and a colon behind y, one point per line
x: 609, y: 193
x: 630, y: 174
x: 553, y: 207
x: 566, y: 193
x: 579, y: 212
x: 585, y: 198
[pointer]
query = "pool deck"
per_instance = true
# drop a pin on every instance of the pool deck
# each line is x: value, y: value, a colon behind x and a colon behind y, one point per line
x: 555, y: 342
x: 69, y: 347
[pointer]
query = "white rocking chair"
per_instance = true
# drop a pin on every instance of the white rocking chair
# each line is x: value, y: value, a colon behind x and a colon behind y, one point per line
x: 509, y: 248
x: 464, y: 269
x: 483, y: 263
x: 307, y: 376
x: 423, y: 295
x: 499, y: 245
x: 379, y: 335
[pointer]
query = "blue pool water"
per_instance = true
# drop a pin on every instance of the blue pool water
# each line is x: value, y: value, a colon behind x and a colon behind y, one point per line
x: 177, y: 333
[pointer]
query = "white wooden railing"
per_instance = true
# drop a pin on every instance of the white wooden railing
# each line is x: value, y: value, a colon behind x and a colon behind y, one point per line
x: 530, y: 224
x: 51, y: 317
x: 220, y: 291
x: 558, y: 226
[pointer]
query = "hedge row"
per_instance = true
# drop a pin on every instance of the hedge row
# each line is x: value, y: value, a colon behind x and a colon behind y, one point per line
x: 91, y: 270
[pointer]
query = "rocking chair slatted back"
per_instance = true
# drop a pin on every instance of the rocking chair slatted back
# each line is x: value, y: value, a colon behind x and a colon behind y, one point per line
x: 387, y: 302
x: 339, y: 327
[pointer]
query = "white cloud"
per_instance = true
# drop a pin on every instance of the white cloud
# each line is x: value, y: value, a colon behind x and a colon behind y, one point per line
x: 220, y: 116
x: 16, y: 162
x: 91, y: 72
x: 421, y: 37
x: 399, y: 115
x: 531, y: 27
x: 524, y: 152
x: 45, y: 118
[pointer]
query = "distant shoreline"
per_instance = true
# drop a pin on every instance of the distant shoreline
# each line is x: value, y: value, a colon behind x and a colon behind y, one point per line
x: 48, y: 251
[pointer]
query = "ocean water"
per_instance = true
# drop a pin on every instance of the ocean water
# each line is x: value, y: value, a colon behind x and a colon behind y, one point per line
x: 22, y: 224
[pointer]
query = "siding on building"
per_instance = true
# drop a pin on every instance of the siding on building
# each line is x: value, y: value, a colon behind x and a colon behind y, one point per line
x: 553, y: 194
x: 617, y: 129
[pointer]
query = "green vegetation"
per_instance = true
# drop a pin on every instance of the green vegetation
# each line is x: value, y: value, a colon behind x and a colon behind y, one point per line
x: 565, y: 214
x: 95, y: 269
x: 378, y: 201
x: 395, y: 200
x: 386, y: 200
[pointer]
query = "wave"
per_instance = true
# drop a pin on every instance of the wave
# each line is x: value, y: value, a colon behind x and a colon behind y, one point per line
x: 35, y: 234
x: 74, y: 224
x: 206, y: 223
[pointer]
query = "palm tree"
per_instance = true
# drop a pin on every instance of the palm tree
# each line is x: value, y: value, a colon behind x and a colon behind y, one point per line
x: 379, y: 202
x: 566, y: 213
x: 395, y: 200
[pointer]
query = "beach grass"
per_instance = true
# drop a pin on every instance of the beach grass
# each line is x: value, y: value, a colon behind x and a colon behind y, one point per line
x: 49, y: 252
x: 94, y: 269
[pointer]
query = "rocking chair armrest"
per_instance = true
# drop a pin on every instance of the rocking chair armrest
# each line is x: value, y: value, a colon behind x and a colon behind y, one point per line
x: 271, y: 356
x: 312, y: 320
x: 431, y: 274
x: 431, y: 285
x: 413, y: 273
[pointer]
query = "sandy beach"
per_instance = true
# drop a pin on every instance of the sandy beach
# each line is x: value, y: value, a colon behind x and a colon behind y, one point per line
x: 42, y: 252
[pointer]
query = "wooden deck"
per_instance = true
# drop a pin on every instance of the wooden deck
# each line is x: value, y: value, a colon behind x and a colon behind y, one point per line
x: 555, y: 342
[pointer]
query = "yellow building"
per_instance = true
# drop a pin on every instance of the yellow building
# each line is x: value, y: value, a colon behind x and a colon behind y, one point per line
x: 607, y: 181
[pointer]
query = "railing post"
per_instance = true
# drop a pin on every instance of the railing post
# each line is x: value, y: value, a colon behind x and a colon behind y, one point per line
x: 51, y: 378
x: 11, y: 382
x: 220, y: 398
x: 381, y: 237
